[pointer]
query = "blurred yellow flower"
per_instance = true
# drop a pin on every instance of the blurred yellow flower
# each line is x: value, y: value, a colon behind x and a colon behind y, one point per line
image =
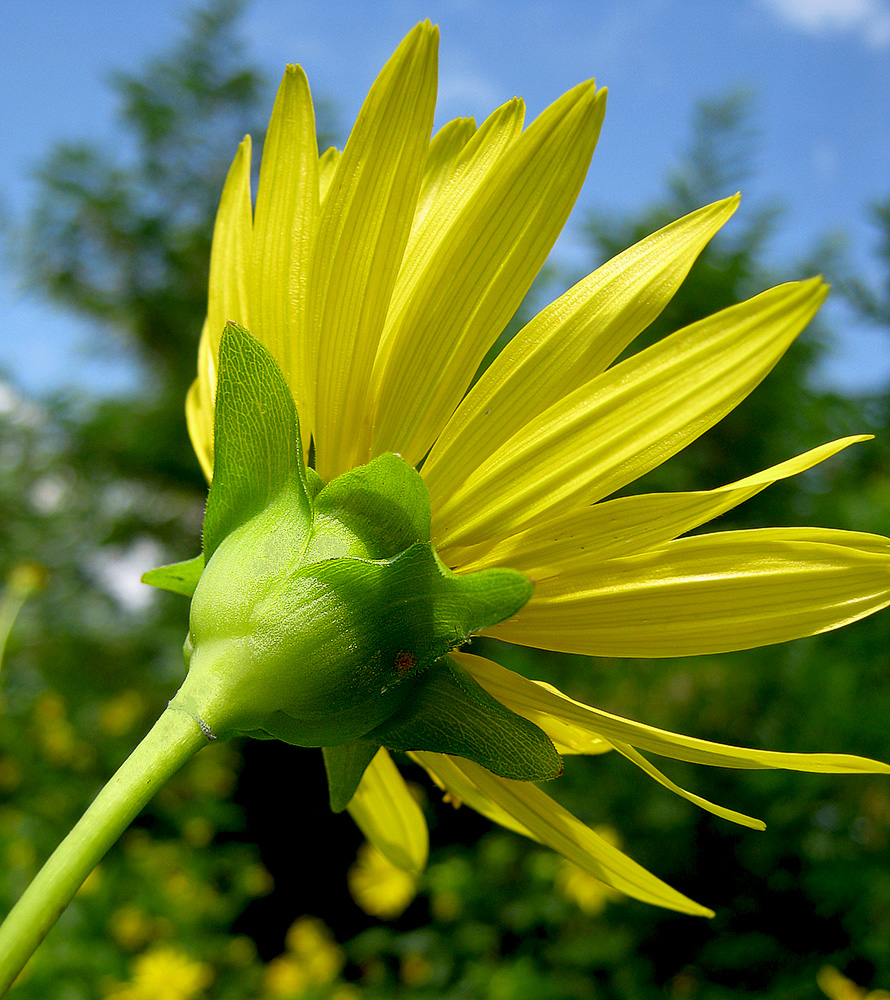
x: 164, y: 973
x: 380, y: 888
x: 380, y: 276
x: 313, y: 958
x: 836, y: 986
x: 589, y: 893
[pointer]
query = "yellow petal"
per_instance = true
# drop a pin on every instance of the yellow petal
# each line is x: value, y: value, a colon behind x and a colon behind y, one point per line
x: 362, y: 232
x: 628, y: 420
x: 327, y: 165
x: 389, y: 817
x: 486, y: 247
x: 567, y: 344
x: 229, y: 287
x: 539, y: 817
x: 734, y: 817
x: 627, y: 525
x: 441, y: 164
x: 199, y: 405
x: 709, y: 594
x: 578, y: 726
x: 284, y: 232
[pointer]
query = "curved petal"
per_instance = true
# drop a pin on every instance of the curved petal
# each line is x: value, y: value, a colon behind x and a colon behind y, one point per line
x: 284, y: 232
x: 483, y: 262
x: 441, y: 163
x: 577, y: 727
x: 362, y: 232
x: 709, y: 594
x: 622, y: 527
x: 567, y: 344
x: 327, y: 166
x: 630, y: 419
x: 229, y: 286
x: 387, y: 814
x: 535, y: 814
x: 730, y: 814
x: 199, y: 405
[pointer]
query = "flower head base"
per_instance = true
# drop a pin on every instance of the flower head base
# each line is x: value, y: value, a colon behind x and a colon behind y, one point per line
x: 374, y: 281
x: 321, y: 614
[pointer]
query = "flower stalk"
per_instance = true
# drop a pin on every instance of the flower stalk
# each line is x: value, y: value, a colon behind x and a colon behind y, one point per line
x: 173, y: 740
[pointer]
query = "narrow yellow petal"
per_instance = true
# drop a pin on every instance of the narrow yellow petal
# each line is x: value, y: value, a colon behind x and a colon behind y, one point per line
x: 387, y: 814
x: 567, y: 344
x: 362, y: 232
x: 709, y: 594
x: 629, y: 419
x: 627, y: 525
x: 578, y: 727
x: 540, y: 818
x: 485, y: 249
x: 327, y: 165
x: 284, y: 233
x: 730, y: 814
x: 229, y: 286
x: 199, y: 405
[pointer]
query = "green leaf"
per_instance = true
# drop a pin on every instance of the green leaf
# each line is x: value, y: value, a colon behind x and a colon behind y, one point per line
x: 178, y: 578
x: 450, y: 713
x: 383, y: 504
x: 345, y: 766
x: 256, y: 435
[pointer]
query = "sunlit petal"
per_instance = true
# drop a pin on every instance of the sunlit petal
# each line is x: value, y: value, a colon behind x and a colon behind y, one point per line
x: 627, y: 525
x: 567, y: 344
x: 362, y: 232
x: 630, y: 419
x: 482, y: 260
x: 709, y: 594
x: 387, y: 814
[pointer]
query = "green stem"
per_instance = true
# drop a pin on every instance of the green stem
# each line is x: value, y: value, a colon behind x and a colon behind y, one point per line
x: 173, y: 739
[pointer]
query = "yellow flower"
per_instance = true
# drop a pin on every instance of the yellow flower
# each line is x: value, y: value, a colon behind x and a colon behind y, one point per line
x: 379, y: 277
x: 378, y: 886
x: 164, y: 973
x: 837, y: 987
x: 313, y: 958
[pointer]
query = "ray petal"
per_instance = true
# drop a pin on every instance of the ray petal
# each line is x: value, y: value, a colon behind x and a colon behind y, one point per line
x: 284, y: 232
x: 229, y: 286
x: 535, y: 814
x: 475, y: 260
x: 387, y: 814
x: 567, y: 344
x: 627, y: 525
x: 362, y: 232
x: 709, y: 594
x: 580, y: 728
x: 199, y: 405
x: 630, y: 419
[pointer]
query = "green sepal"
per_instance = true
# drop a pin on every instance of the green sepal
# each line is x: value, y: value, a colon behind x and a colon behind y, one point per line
x: 345, y: 766
x: 314, y: 482
x: 450, y: 713
x: 178, y: 578
x: 416, y: 609
x: 258, y: 451
x: 384, y: 505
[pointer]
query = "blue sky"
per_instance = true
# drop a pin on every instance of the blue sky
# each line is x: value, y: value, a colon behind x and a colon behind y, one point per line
x: 820, y: 70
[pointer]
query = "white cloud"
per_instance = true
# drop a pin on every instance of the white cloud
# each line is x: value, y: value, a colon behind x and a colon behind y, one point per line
x: 870, y: 19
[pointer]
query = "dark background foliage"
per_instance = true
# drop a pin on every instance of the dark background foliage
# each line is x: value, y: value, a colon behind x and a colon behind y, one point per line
x: 242, y: 844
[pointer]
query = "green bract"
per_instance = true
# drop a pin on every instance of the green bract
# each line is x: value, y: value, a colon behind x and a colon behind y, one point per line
x: 321, y: 614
